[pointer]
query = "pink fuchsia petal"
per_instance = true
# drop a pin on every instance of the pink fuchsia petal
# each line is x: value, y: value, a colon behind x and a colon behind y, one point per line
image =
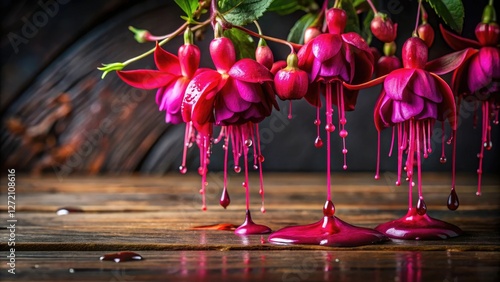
x: 231, y: 97
x: 489, y: 58
x: 484, y: 68
x: 362, y: 66
x: 406, y: 109
x: 189, y: 59
x: 313, y: 94
x: 173, y: 95
x: 430, y: 111
x: 350, y: 98
x: 146, y: 79
x: 357, y: 41
x: 306, y: 57
x: 326, y: 46
x: 166, y: 61
x: 396, y: 83
x: 447, y: 108
x: 458, y: 81
x: 382, y: 112
x: 249, y: 70
x: 449, y: 62
x: 249, y: 92
x: 278, y: 66
x: 423, y: 85
x: 457, y: 42
x: 197, y: 104
x: 334, y: 67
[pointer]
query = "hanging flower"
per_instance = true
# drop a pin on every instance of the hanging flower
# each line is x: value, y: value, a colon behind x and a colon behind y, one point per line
x: 172, y: 78
x: 478, y: 78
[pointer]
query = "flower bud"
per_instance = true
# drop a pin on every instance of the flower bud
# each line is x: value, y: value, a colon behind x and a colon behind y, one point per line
x: 383, y: 28
x: 264, y: 55
x: 426, y: 33
x: 189, y: 59
x: 310, y: 33
x: 222, y: 53
x: 414, y: 53
x: 387, y: 64
x: 291, y: 82
x: 488, y: 34
x: 336, y: 20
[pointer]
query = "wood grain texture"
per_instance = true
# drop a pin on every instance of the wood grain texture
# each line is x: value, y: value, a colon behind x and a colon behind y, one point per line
x: 154, y: 217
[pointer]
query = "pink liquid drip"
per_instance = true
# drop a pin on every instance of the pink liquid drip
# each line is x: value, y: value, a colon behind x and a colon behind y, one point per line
x: 418, y: 227
x: 249, y: 227
x: 225, y: 200
x: 318, y: 143
x: 484, y: 144
x: 290, y: 116
x: 122, y: 256
x: 260, y: 159
x: 329, y: 231
x: 342, y: 121
x: 188, y: 141
x: 377, y: 172
x: 204, y: 159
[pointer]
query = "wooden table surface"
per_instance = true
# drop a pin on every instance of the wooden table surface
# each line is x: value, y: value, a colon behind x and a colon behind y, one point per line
x: 154, y: 216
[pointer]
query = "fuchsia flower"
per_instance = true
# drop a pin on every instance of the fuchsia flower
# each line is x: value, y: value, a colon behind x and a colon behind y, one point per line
x: 329, y: 59
x: 291, y: 82
x: 238, y: 92
x: 383, y: 28
x: 478, y: 78
x: 172, y: 78
x: 412, y: 99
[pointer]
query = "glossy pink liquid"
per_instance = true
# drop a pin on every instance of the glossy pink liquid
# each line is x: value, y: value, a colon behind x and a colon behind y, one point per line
x: 249, y: 227
x: 329, y: 231
x: 413, y: 226
x: 122, y: 256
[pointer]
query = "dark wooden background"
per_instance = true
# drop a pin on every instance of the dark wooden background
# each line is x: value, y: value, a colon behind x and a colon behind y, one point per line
x: 63, y: 118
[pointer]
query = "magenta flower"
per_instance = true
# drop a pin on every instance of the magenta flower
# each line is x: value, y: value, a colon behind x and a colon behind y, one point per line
x: 238, y: 92
x: 478, y: 78
x: 172, y: 78
x: 412, y: 99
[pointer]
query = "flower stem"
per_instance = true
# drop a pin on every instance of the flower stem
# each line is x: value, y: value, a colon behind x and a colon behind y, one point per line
x: 293, y: 46
x: 418, y: 17
x: 424, y: 14
x: 491, y: 2
x: 372, y: 6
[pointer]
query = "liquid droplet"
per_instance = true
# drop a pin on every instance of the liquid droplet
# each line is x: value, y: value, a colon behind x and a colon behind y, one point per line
x: 453, y: 202
x: 398, y: 183
x: 421, y: 207
x: 318, y: 143
x: 68, y: 210
x: 343, y: 133
x: 344, y: 167
x: 488, y: 145
x: 237, y: 168
x: 201, y: 170
x: 225, y: 200
x: 377, y: 177
x: 122, y: 256
x: 317, y: 122
x: 248, y: 142
x: 255, y: 167
x: 344, y: 151
x: 442, y: 160
x: 330, y: 127
x: 261, y: 158
x: 183, y: 169
x: 343, y: 121
x: 478, y: 193
x: 328, y: 208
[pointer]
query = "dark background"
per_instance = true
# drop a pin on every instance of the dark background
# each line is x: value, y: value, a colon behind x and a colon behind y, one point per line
x: 63, y: 118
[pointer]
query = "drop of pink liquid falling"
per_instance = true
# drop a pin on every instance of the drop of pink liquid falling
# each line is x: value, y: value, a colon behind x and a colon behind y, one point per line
x: 328, y: 209
x: 237, y: 168
x: 182, y: 169
x: 442, y: 160
x: 453, y: 201
x: 421, y: 207
x: 418, y: 227
x: 122, y: 256
x: 225, y: 200
x: 318, y: 143
x: 249, y: 227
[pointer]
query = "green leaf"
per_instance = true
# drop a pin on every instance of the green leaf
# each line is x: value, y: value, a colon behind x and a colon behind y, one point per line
x: 352, y: 16
x: 188, y: 6
x: 366, y: 32
x: 242, y: 12
x: 296, y: 34
x: 285, y: 7
x: 243, y: 43
x: 451, y: 11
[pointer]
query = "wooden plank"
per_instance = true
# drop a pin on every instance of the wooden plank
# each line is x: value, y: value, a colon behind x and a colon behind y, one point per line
x: 297, y: 265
